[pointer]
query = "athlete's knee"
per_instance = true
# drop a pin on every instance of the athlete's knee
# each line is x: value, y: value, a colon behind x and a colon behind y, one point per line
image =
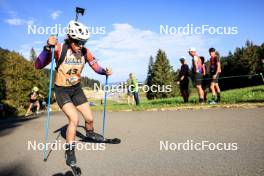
x: 74, y: 121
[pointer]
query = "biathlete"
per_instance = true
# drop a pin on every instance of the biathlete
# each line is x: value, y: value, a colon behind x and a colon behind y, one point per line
x: 34, y: 100
x: 70, y: 58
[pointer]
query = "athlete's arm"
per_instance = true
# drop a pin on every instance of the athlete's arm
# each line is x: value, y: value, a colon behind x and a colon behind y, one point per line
x: 204, y: 70
x: 45, y: 56
x: 218, y: 71
x: 195, y: 58
x: 41, y: 96
x: 93, y: 63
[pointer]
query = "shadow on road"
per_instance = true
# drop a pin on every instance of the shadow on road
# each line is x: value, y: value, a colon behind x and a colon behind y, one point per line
x: 68, y: 173
x: 82, y: 137
x: 63, y: 130
x: 15, y: 169
x: 7, y: 126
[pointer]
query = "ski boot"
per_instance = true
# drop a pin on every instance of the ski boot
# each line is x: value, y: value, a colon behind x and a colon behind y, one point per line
x: 71, y: 159
x: 90, y: 134
x: 70, y: 155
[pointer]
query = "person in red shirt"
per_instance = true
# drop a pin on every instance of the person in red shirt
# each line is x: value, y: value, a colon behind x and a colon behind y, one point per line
x: 69, y: 94
x: 214, y: 70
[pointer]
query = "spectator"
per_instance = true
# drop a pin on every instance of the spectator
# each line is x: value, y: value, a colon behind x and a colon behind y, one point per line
x: 184, y: 80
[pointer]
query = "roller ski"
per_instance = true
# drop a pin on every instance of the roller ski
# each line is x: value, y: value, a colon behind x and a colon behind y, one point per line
x: 91, y: 136
x: 71, y: 160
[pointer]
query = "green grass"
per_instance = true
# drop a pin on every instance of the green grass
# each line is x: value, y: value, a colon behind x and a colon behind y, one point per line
x: 235, y: 96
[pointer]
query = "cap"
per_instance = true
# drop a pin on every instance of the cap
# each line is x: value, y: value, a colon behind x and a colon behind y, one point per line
x: 192, y: 49
x: 211, y: 50
x: 182, y: 58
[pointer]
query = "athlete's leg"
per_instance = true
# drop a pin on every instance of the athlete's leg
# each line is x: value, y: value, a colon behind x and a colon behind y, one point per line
x: 29, y: 108
x: 182, y: 93
x: 198, y: 83
x: 205, y: 95
x: 87, y: 115
x: 200, y: 92
x: 63, y: 98
x: 80, y: 101
x: 136, y: 98
x: 217, y: 88
x: 38, y: 105
x: 71, y: 112
x: 218, y: 92
x: 212, y: 87
x: 185, y: 96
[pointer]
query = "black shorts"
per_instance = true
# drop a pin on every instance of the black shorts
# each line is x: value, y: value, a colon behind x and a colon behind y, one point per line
x: 198, y: 78
x: 214, y: 80
x: 33, y: 101
x: 73, y: 94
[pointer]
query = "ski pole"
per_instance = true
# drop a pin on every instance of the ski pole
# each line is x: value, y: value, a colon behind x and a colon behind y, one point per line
x: 48, y: 116
x: 105, y: 95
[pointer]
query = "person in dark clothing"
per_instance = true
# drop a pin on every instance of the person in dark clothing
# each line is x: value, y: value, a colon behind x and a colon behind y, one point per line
x: 205, y: 81
x: 34, y: 97
x: 215, y: 71
x: 184, y: 80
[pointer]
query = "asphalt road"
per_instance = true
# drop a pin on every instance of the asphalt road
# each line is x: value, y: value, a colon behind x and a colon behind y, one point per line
x: 139, y: 153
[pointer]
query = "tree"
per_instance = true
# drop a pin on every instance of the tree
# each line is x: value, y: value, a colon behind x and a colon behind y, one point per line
x: 87, y: 82
x: 163, y: 75
x: 19, y: 76
x: 149, y: 94
x: 244, y: 61
x: 33, y: 55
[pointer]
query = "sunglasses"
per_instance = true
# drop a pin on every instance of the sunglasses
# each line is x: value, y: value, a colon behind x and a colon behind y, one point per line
x: 78, y: 42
